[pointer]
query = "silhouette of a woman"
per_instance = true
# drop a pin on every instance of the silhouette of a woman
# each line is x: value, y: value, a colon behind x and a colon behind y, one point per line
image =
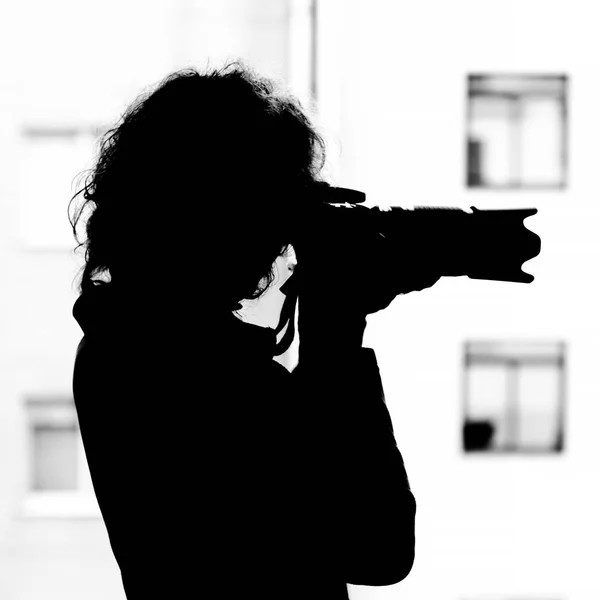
x: 219, y: 474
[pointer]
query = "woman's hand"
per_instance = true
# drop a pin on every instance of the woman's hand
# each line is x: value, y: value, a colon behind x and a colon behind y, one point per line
x: 349, y: 266
x: 348, y: 270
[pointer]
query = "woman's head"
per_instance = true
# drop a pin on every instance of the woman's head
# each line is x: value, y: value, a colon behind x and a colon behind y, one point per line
x: 197, y: 182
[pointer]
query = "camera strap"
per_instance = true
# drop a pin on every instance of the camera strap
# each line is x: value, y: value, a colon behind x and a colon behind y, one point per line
x: 288, y: 312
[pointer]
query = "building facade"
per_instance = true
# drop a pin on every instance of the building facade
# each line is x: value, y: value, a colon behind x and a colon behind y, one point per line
x: 476, y: 373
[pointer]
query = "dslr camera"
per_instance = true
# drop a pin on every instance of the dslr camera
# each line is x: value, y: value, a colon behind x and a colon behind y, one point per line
x: 481, y: 244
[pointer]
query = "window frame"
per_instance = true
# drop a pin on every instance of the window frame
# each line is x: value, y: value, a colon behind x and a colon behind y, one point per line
x: 517, y: 99
x: 514, y: 363
x: 78, y: 503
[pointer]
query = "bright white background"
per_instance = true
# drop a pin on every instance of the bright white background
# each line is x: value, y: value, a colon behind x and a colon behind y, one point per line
x: 392, y: 101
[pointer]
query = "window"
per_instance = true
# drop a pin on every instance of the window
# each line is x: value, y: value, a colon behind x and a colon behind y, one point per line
x: 52, y: 158
x: 59, y: 483
x: 54, y: 465
x: 516, y: 131
x: 514, y: 396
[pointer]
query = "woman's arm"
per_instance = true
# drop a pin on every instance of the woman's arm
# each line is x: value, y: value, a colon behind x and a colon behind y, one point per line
x: 367, y: 512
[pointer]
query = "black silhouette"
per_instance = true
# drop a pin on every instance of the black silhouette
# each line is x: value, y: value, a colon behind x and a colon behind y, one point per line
x: 218, y: 473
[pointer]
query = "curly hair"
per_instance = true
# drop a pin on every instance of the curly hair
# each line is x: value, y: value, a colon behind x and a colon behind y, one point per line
x: 198, y: 177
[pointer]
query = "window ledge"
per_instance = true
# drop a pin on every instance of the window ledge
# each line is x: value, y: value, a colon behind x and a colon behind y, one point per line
x: 60, y: 505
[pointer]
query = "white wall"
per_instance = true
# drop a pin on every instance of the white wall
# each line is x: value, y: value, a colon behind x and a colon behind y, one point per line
x: 487, y: 526
x: 68, y: 63
x: 491, y: 527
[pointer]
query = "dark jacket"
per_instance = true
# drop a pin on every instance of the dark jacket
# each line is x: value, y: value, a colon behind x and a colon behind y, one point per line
x: 219, y: 474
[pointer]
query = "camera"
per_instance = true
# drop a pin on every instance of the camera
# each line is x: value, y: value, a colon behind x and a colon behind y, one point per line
x: 481, y: 244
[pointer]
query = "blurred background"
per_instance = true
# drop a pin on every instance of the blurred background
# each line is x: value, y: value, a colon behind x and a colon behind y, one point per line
x: 490, y: 385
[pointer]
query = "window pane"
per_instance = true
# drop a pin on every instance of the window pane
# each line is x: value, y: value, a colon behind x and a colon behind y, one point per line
x: 486, y: 405
x: 54, y: 457
x: 539, y: 407
x: 491, y: 130
x: 541, y: 141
